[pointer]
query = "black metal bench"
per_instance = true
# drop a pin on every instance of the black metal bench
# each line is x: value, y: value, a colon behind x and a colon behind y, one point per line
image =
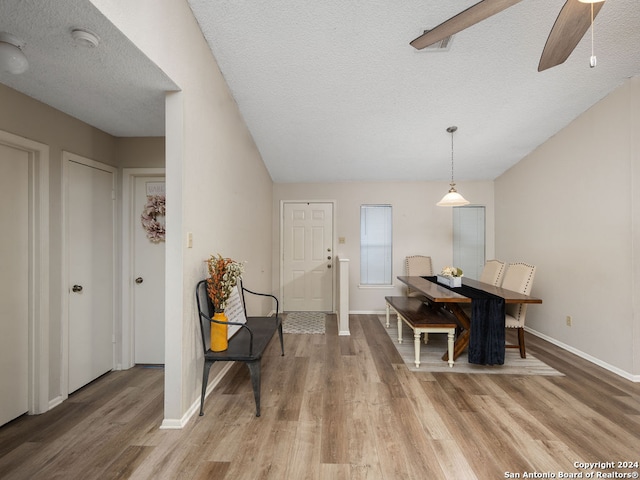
x: 246, y: 345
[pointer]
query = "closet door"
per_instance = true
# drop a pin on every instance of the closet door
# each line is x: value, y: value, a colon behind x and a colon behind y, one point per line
x: 90, y: 254
x: 14, y: 282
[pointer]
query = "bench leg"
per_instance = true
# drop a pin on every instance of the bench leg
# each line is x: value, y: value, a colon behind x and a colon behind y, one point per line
x: 416, y: 344
x: 451, y: 337
x: 254, y: 371
x: 205, y: 381
x: 388, y: 308
x: 281, y: 340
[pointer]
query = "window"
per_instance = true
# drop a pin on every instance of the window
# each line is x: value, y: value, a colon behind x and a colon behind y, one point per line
x: 375, y: 245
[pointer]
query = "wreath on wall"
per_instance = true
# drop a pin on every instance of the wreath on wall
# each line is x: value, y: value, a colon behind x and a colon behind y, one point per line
x: 154, y: 208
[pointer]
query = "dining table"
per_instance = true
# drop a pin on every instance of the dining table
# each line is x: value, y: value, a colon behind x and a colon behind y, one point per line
x: 454, y: 301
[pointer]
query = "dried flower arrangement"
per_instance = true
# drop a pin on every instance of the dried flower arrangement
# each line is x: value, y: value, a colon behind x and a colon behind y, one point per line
x: 223, y: 277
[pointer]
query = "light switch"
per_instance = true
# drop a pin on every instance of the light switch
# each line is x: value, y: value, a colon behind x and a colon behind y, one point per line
x: 341, y: 240
x: 189, y: 240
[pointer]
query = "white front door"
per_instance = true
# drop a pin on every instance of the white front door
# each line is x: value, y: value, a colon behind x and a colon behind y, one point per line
x: 307, y: 257
x: 14, y: 282
x: 90, y: 257
x: 148, y: 279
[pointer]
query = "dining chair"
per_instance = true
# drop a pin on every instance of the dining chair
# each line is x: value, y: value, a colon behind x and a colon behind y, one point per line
x: 492, y: 272
x: 518, y: 278
x: 417, y: 266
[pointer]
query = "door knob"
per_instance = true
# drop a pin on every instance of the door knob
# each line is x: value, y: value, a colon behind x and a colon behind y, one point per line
x: 329, y: 266
x: 329, y: 257
x: 139, y: 280
x: 76, y: 288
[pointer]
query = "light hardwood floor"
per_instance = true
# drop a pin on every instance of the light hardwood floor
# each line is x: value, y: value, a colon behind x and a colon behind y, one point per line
x: 337, y: 407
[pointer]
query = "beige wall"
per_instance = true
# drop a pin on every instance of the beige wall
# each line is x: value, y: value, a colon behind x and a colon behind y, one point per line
x: 571, y: 209
x: 217, y: 185
x: 419, y: 226
x: 140, y: 152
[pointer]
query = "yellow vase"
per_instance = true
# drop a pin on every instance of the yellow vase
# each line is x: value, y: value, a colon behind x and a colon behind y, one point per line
x: 219, y: 341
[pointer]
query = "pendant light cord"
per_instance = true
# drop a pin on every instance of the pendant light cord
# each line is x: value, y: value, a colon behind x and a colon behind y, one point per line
x: 452, y: 158
x: 451, y: 130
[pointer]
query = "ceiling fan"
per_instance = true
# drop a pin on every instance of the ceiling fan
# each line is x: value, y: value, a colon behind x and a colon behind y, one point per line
x: 572, y: 23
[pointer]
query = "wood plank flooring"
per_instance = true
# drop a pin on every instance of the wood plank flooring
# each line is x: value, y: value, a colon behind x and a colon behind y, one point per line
x: 338, y: 408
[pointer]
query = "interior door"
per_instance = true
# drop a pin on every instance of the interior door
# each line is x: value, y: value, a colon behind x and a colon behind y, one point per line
x: 14, y: 286
x: 307, y: 257
x: 148, y: 286
x: 90, y: 254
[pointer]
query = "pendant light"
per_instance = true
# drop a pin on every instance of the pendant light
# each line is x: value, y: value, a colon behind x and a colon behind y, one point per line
x: 453, y: 198
x: 592, y: 60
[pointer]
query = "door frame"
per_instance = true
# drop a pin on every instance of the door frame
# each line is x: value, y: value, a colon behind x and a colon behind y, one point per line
x: 64, y: 284
x: 128, y: 221
x: 333, y: 245
x: 38, y: 354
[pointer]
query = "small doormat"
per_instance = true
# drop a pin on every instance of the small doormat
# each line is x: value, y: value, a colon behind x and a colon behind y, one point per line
x: 304, y: 322
x: 431, y: 356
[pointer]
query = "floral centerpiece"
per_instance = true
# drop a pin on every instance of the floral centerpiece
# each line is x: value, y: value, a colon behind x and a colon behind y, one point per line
x: 223, y: 277
x: 451, y: 276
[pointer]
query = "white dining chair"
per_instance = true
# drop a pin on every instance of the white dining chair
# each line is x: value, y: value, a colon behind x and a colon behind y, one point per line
x: 518, y: 278
x: 417, y: 266
x: 492, y: 272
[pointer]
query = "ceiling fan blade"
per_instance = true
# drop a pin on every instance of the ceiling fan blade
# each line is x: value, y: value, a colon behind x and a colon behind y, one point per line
x: 472, y: 15
x: 572, y: 23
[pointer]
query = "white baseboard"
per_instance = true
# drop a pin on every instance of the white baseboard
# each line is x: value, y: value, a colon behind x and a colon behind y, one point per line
x: 194, y: 409
x: 586, y: 356
x: 53, y: 403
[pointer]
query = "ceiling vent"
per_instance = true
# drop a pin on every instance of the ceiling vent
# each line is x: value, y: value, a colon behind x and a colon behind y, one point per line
x: 443, y: 45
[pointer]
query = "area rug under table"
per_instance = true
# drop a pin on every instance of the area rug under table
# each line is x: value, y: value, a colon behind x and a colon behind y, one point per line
x: 431, y: 356
x: 304, y: 322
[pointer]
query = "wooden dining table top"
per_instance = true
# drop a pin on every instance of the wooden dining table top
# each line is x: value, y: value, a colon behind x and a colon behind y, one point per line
x: 440, y: 294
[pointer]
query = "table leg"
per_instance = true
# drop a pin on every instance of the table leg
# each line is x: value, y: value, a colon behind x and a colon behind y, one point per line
x: 399, y: 328
x: 388, y: 307
x: 462, y: 342
x: 416, y: 344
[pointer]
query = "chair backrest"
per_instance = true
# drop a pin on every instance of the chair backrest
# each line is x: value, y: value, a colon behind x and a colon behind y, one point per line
x: 205, y: 311
x: 518, y: 278
x: 418, y: 266
x: 492, y: 272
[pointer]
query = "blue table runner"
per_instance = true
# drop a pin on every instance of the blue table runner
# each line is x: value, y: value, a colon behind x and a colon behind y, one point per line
x: 487, y: 334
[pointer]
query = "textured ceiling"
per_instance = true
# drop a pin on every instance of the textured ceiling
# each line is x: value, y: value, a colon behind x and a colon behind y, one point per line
x: 332, y: 91
x: 113, y: 87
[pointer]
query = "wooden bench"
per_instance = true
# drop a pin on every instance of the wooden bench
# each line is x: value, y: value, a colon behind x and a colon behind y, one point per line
x: 249, y: 337
x: 422, y: 318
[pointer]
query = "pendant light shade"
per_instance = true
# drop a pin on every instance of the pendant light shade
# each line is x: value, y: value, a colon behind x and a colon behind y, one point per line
x: 452, y: 198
